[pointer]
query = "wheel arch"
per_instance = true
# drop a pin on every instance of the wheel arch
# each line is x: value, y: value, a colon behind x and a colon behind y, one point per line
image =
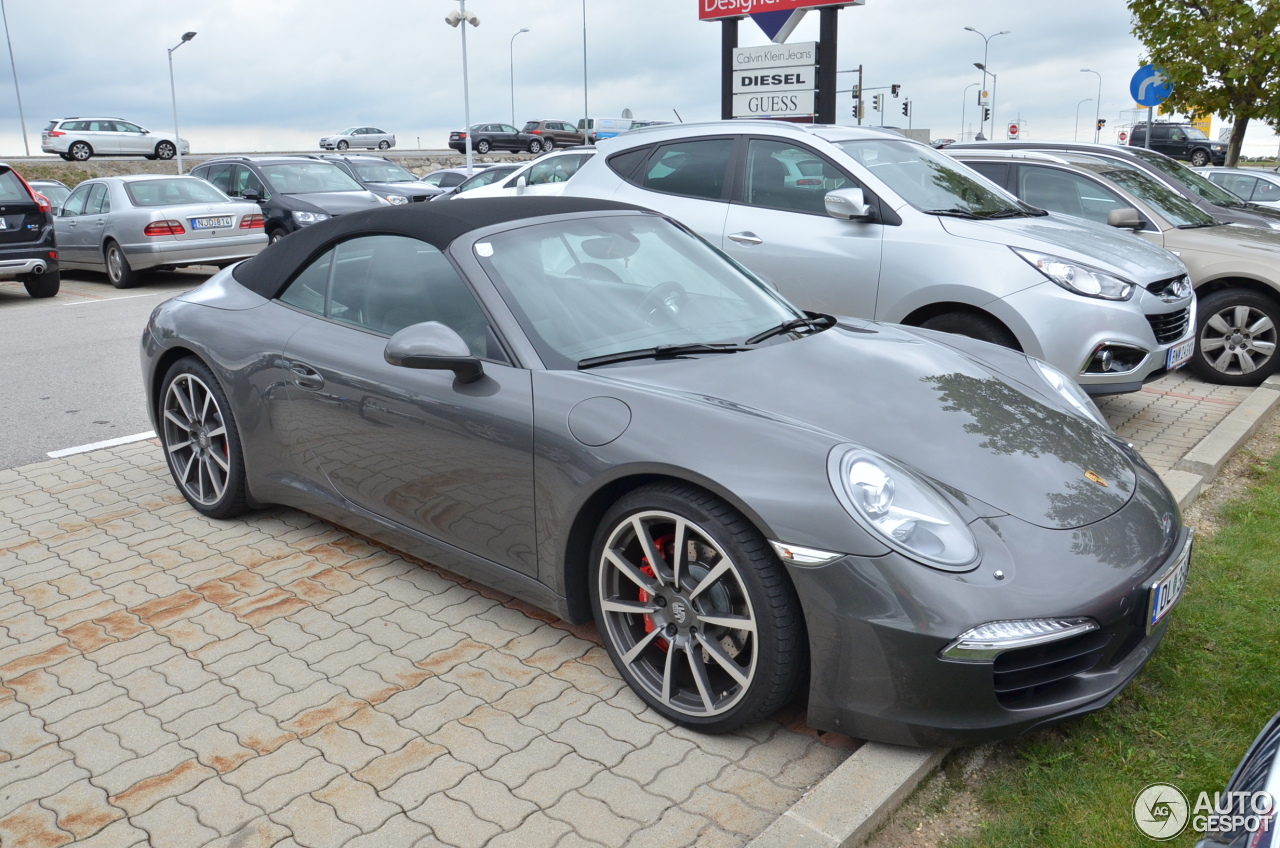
x: 933, y: 310
x: 1228, y: 282
x: 163, y: 363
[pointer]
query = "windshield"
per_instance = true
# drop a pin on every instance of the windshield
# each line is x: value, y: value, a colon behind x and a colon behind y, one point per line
x: 383, y: 172
x: 307, y: 178
x: 348, y: 131
x: 928, y: 180
x: 173, y: 192
x: 1188, y: 178
x: 1194, y: 133
x: 594, y: 286
x: 55, y: 192
x: 1175, y: 208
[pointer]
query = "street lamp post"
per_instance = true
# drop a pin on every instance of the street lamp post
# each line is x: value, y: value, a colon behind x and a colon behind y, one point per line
x: 512, y: 53
x: 586, y: 111
x: 1097, y: 113
x: 12, y: 64
x: 173, y: 95
x: 1075, y: 128
x: 986, y: 43
x: 994, y: 82
x: 455, y: 19
x: 964, y: 104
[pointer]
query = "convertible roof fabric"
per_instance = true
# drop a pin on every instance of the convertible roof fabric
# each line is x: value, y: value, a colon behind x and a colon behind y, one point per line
x: 437, y: 224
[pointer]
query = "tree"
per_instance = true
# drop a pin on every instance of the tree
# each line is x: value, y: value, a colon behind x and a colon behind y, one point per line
x: 1221, y: 57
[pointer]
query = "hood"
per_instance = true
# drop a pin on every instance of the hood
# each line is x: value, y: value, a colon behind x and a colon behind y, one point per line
x: 952, y: 417
x: 334, y: 202
x: 1103, y: 247
x: 1237, y: 240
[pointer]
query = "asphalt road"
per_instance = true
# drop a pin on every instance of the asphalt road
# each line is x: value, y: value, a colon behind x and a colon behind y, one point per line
x: 69, y: 369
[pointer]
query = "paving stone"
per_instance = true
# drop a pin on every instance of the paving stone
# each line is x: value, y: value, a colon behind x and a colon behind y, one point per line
x: 546, y: 787
x: 573, y: 840
x: 32, y: 824
x: 592, y: 820
x: 118, y: 834
x: 291, y: 672
x: 626, y: 798
x: 537, y: 830
x: 174, y: 708
x: 364, y: 685
x: 411, y: 790
x: 431, y: 691
x: 522, y: 700
x: 22, y: 733
x: 314, y: 825
x: 220, y: 806
x: 149, y: 791
x: 257, y: 732
x: 468, y: 744
x: 680, y: 781
x: 98, y: 750
x: 183, y: 673
x: 262, y: 832
x: 430, y: 719
x: 257, y: 686
x: 397, y: 831
x: 37, y: 688
x: 82, y: 809
x: 378, y: 729
x: 342, y: 747
x: 643, y: 764
x: 356, y: 803
x: 621, y: 725
x: 551, y: 715
x: 491, y: 800
x: 49, y: 781
x: 337, y: 708
x: 147, y: 686
x: 218, y: 749
x: 676, y: 827
x: 285, y: 760
x: 591, y: 742
x: 280, y: 791
x: 171, y: 825
x: 416, y: 755
x: 729, y: 812
x: 454, y: 822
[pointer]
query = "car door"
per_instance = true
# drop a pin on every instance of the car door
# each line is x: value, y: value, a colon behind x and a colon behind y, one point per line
x: 67, y: 227
x: 102, y: 137
x: 778, y: 226
x: 416, y: 447
x: 507, y: 137
x: 92, y: 224
x: 688, y: 180
x: 132, y: 139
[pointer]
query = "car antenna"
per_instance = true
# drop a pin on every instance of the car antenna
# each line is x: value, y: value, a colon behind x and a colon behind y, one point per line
x: 678, y: 118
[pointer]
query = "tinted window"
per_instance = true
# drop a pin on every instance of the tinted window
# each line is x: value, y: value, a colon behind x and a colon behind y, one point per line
x: 382, y: 172
x: 308, y: 289
x: 784, y: 176
x: 451, y: 179
x: 220, y: 176
x: 1070, y: 194
x: 93, y: 206
x: 75, y: 203
x: 376, y: 131
x: 75, y: 126
x: 533, y: 125
x: 244, y: 180
x: 1238, y: 184
x: 506, y: 128
x: 56, y: 193
x: 625, y: 164
x: 102, y: 126
x: 433, y: 179
x: 486, y: 177
x: 927, y: 179
x: 1266, y: 192
x: 690, y: 168
x: 997, y: 172
x: 12, y: 190
x: 1159, y: 131
x: 173, y: 192
x: 557, y: 169
x: 1176, y: 209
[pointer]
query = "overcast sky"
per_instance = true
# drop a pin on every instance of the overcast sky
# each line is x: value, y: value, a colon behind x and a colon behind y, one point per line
x: 276, y: 75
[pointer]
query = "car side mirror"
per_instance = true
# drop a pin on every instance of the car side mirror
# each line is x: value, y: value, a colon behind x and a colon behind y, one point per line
x: 433, y: 346
x: 849, y: 204
x: 521, y: 184
x: 1126, y: 218
x: 250, y: 194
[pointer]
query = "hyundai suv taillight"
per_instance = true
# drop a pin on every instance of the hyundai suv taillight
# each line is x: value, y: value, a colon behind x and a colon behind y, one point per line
x: 252, y: 222
x: 164, y: 228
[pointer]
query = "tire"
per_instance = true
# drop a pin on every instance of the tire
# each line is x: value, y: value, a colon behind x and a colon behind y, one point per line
x: 275, y: 236
x: 342, y: 145
x: 43, y: 285
x: 482, y: 146
x: 201, y: 440
x: 535, y: 146
x: 1199, y: 158
x: 652, y: 636
x: 80, y: 151
x: 119, y: 272
x: 384, y: 145
x: 1236, y: 336
x: 548, y: 144
x: 166, y: 150
x: 66, y: 157
x: 981, y: 327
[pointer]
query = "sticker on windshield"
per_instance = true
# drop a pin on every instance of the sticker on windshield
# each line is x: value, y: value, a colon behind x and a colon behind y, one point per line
x: 484, y: 249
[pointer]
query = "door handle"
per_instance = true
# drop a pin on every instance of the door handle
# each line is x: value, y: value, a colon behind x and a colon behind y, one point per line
x: 746, y: 237
x: 305, y: 377
x: 101, y: 223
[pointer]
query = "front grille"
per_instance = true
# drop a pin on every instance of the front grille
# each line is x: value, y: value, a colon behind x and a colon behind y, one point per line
x: 1168, y: 289
x: 1030, y: 677
x: 419, y: 198
x: 1170, y: 326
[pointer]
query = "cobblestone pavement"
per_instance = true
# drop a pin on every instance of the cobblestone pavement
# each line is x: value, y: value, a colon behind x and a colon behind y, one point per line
x: 170, y: 680
x: 1168, y: 417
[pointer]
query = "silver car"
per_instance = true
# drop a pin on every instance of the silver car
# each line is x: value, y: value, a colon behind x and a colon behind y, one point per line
x: 149, y: 222
x: 1252, y: 184
x: 863, y: 222
x: 370, y: 137
x: 81, y: 139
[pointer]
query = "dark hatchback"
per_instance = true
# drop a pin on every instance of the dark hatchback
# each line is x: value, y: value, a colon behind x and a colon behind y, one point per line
x: 28, y: 251
x: 486, y: 137
x: 293, y: 191
x: 384, y: 178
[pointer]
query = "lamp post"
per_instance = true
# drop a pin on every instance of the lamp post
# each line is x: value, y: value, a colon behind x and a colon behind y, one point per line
x: 586, y: 111
x: 1097, y: 113
x: 986, y: 42
x: 964, y: 104
x: 1075, y: 129
x: 455, y: 19
x: 512, y: 53
x: 173, y: 95
x: 16, y: 90
x: 994, y: 82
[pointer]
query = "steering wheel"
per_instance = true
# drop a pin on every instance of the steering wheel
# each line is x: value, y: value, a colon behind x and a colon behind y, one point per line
x: 664, y: 300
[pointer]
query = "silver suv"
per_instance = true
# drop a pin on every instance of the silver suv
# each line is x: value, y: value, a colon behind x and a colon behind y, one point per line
x: 862, y: 222
x: 80, y: 139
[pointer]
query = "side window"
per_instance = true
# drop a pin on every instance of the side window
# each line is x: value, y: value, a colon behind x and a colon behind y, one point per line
x: 245, y: 179
x: 93, y: 205
x: 1176, y: 134
x: 452, y: 179
x: 308, y: 289
x: 690, y: 168
x: 507, y: 128
x: 1059, y: 191
x: 555, y: 170
x: 220, y: 176
x: 75, y: 203
x: 1266, y: 192
x: 1240, y: 185
x: 1159, y: 132
x: 997, y: 172
x: 124, y: 126
x: 376, y: 131
x: 624, y: 164
x: 433, y: 179
x: 102, y: 126
x: 784, y: 176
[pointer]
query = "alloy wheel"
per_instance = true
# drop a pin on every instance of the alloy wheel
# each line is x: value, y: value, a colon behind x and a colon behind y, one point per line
x: 482, y: 147
x: 677, y: 612
x: 1199, y: 158
x: 342, y: 145
x: 1238, y: 340
x: 165, y: 150
x: 115, y: 263
x: 195, y: 437
x: 384, y: 145
x: 80, y: 151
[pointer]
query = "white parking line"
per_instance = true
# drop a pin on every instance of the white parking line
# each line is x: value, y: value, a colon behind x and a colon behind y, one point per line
x: 109, y: 443
x: 96, y: 299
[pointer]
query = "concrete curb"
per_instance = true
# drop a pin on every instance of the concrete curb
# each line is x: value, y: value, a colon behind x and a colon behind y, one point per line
x: 1212, y: 452
x: 853, y: 800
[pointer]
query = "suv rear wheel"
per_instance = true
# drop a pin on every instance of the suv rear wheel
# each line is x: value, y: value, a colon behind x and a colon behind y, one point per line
x: 1236, y: 336
x: 548, y: 144
x: 43, y: 285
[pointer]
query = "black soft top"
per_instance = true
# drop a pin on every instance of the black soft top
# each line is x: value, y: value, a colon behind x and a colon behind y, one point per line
x: 437, y: 224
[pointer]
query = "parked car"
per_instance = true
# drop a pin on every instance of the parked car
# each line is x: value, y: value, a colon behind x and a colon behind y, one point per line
x: 744, y: 497
x: 369, y: 137
x: 81, y: 139
x: 1251, y: 184
x: 863, y: 222
x: 554, y: 133
x: 293, y: 191
x: 1235, y: 270
x: 545, y: 176
x: 1180, y: 141
x: 486, y: 137
x: 494, y: 173
x: 1215, y: 200
x: 55, y: 191
x: 384, y: 178
x: 939, y: 143
x: 28, y: 246
x: 148, y: 222
x: 601, y: 128
x: 1251, y: 795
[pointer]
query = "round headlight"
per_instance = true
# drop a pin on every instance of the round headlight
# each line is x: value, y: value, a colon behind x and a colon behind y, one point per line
x: 899, y: 507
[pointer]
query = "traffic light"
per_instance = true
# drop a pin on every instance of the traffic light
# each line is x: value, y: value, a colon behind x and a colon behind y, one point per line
x: 1102, y: 122
x: 878, y: 102
x: 894, y: 89
x: 986, y: 113
x: 906, y: 108
x: 855, y: 108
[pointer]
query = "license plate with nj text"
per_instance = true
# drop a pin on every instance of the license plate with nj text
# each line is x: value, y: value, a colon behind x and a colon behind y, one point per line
x: 211, y: 223
x: 1180, y: 354
x: 1168, y: 588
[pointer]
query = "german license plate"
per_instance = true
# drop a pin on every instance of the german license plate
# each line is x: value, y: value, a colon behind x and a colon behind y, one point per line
x: 1167, y: 590
x: 1180, y: 354
x: 212, y: 223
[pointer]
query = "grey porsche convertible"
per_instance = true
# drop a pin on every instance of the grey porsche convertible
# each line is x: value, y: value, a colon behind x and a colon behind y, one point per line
x: 583, y: 404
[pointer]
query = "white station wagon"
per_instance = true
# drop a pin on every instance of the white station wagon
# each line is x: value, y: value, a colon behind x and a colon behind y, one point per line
x: 80, y: 139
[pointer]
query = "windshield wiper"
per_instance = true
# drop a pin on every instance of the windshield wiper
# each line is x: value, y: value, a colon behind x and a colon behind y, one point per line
x: 814, y: 322
x: 953, y: 213
x: 666, y: 351
x: 1008, y: 213
x: 1198, y: 226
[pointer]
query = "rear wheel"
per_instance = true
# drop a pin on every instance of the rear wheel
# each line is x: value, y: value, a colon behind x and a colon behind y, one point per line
x: 43, y: 285
x: 548, y: 144
x: 200, y: 439
x: 1200, y: 158
x: 981, y: 327
x: 695, y: 610
x: 119, y: 272
x: 1236, y: 337
x: 482, y: 146
x: 384, y: 145
x: 165, y: 150
x: 80, y: 151
x: 342, y: 145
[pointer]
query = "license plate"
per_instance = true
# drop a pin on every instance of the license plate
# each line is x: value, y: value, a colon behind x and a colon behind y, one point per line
x: 1180, y: 354
x: 4, y: 225
x: 212, y: 223
x: 1167, y: 590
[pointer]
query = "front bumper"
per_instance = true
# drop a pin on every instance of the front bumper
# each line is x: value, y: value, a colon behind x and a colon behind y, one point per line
x: 877, y: 625
x: 214, y: 251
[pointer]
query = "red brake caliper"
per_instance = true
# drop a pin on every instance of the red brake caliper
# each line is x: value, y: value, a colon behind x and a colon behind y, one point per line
x: 663, y: 544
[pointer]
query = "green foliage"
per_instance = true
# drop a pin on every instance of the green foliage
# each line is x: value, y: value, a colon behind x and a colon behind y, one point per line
x: 69, y: 175
x: 1221, y: 56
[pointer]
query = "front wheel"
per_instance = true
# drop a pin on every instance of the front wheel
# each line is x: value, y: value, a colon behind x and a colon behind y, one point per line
x: 43, y: 285
x: 1236, y: 338
x: 276, y: 235
x: 384, y: 145
x: 535, y: 146
x: 200, y: 439
x: 981, y: 327
x: 696, y: 612
x: 482, y: 146
x: 342, y: 145
x: 1200, y: 158
x: 166, y: 150
x: 80, y: 151
x: 119, y: 272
